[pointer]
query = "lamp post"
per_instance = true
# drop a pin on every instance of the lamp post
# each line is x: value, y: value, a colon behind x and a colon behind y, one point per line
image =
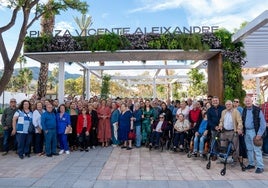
x: 84, y: 81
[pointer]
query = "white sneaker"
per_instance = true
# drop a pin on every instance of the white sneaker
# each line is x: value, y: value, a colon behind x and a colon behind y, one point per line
x: 61, y: 152
x: 67, y: 152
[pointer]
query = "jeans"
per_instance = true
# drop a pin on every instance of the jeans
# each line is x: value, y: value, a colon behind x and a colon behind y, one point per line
x: 24, y: 143
x: 63, y: 142
x: 138, y: 136
x: 200, y: 146
x: 7, y: 136
x: 251, y: 149
x: 115, y: 140
x: 51, y: 141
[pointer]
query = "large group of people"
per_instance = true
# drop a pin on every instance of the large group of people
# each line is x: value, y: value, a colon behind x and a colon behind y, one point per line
x: 84, y: 124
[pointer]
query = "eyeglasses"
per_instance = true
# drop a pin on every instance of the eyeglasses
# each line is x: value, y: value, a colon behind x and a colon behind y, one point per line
x: 236, y: 101
x: 13, y: 101
x: 161, y: 117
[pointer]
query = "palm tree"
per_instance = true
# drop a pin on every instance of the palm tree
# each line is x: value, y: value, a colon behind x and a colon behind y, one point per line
x: 47, y: 26
x: 24, y: 79
x: 22, y: 61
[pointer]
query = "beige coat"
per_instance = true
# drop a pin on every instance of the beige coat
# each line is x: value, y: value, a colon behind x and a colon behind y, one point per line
x: 237, y: 120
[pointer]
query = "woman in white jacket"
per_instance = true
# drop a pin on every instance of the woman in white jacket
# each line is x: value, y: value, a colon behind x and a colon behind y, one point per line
x: 39, y: 137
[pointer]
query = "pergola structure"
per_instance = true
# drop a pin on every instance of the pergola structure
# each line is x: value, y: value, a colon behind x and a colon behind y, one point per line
x: 255, y: 38
x: 211, y: 57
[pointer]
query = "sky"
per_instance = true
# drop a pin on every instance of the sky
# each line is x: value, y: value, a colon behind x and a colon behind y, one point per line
x: 228, y: 14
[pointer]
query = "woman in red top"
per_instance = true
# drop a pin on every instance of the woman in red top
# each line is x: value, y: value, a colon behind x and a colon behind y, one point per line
x: 83, y: 128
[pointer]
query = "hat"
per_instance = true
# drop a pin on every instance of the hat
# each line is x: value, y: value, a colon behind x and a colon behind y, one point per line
x: 258, y: 142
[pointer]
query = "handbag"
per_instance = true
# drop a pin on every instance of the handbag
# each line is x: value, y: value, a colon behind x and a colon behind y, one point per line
x: 131, y: 135
x: 31, y: 128
x: 68, y: 130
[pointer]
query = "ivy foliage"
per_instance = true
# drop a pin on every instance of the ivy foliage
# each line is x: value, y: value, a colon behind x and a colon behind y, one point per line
x: 233, y: 60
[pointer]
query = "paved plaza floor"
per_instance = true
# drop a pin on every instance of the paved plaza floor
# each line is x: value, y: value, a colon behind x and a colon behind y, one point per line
x: 116, y: 167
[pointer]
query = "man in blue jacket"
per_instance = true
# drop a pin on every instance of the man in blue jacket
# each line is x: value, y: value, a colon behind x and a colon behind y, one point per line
x: 214, y: 116
x: 48, y: 122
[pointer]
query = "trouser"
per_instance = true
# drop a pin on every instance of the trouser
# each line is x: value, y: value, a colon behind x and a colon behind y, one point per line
x: 252, y: 149
x: 138, y: 135
x: 63, y: 142
x: 228, y: 136
x: 51, y: 141
x: 114, y: 129
x: 155, y: 138
x: 7, y: 138
x: 199, y: 146
x: 178, y: 138
x: 38, y: 142
x: 24, y: 143
x: 83, y: 139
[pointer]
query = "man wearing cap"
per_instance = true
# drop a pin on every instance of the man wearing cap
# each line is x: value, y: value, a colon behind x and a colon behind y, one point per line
x: 6, y: 121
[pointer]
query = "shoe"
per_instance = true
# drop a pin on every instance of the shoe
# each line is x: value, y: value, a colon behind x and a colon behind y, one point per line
x: 81, y: 149
x: 194, y: 154
x: 150, y: 146
x: 175, y: 149
x: 61, y: 152
x: 233, y: 164
x: 21, y: 156
x: 259, y: 170
x: 123, y: 147
x: 28, y: 155
x: 67, y: 152
x: 201, y: 155
x: 86, y: 150
x: 250, y: 167
x: 129, y: 148
x: 93, y: 147
x: 4, y: 153
x: 156, y: 147
x: 55, y: 154
x: 49, y: 155
x: 181, y: 147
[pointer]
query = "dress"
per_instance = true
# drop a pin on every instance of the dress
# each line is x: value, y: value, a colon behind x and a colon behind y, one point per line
x: 104, y: 126
x: 124, y: 125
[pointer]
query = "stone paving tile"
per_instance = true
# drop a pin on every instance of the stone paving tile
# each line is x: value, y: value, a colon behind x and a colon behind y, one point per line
x: 114, y: 167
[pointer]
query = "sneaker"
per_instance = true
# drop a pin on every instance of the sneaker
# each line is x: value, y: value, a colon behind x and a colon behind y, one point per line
x: 61, y: 152
x: 259, y: 170
x: 181, y: 146
x: 86, y: 150
x: 250, y: 167
x: 67, y: 152
x: 4, y: 153
x: 175, y: 149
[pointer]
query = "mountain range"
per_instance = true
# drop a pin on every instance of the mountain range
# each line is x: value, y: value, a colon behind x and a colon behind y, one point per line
x: 36, y: 70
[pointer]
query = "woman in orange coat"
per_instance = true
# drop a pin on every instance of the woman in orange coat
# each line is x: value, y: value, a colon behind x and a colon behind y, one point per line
x: 83, y: 128
x: 104, y: 126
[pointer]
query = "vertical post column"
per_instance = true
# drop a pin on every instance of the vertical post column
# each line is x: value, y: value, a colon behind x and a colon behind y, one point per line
x: 258, y: 93
x: 61, y: 82
x: 87, y: 84
x: 215, y: 77
x: 154, y: 88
